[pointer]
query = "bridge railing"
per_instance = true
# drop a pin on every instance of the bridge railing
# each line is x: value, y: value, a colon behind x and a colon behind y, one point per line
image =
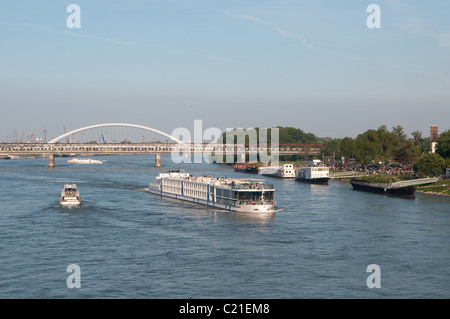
x: 45, y: 148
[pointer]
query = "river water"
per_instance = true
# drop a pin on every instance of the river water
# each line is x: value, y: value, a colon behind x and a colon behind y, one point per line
x: 132, y: 244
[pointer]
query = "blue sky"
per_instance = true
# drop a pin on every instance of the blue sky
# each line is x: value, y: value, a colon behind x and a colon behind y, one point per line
x: 314, y: 65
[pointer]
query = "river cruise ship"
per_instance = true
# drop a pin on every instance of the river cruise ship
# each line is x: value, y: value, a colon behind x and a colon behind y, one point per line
x: 314, y: 174
x: 234, y: 194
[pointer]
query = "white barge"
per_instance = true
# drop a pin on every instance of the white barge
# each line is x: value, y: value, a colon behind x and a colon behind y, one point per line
x: 283, y: 171
x: 240, y: 195
x: 315, y: 175
x: 70, y: 196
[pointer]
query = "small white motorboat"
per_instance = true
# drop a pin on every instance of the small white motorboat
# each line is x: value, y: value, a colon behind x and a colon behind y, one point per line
x: 84, y: 161
x: 70, y: 196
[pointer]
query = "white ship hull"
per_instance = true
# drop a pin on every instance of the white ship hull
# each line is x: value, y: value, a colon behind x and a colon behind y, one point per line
x: 154, y: 189
x: 84, y: 161
x: 70, y: 202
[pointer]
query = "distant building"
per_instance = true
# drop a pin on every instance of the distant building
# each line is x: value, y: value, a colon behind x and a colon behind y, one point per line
x: 434, y: 135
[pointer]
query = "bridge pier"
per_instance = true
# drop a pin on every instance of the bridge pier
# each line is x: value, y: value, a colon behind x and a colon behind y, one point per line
x: 158, y: 160
x: 241, y: 157
x: 51, y: 160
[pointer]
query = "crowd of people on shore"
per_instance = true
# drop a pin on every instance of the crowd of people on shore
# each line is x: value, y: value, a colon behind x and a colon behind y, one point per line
x: 397, y: 170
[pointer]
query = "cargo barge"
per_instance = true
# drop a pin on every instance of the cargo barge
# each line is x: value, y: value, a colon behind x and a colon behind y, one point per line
x: 381, y: 188
x: 245, y: 168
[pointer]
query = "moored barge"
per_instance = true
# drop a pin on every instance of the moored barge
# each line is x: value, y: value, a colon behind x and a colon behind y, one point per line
x: 283, y: 171
x: 382, y: 188
x: 245, y: 168
x: 313, y: 175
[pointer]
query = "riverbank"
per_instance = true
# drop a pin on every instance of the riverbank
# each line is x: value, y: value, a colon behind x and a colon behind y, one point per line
x: 440, y: 188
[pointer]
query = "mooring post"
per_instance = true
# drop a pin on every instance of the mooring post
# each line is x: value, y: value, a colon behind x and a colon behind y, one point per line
x: 51, y: 160
x: 158, y: 160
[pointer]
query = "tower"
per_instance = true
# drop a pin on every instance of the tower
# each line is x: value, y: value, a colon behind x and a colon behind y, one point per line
x: 433, y: 138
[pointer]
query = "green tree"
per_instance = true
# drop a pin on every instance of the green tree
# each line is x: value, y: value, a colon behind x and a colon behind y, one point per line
x: 331, y: 146
x: 406, y: 152
x: 443, y: 144
x: 348, y: 147
x: 431, y: 164
x: 375, y: 145
x: 291, y: 135
x: 417, y: 135
x: 366, y: 147
x: 425, y: 145
x: 399, y: 133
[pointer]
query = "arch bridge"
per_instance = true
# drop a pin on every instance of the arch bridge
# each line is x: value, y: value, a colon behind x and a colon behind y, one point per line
x: 124, y: 138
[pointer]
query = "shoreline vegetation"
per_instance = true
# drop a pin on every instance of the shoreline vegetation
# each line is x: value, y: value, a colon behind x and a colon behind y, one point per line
x: 377, y: 155
x: 439, y: 188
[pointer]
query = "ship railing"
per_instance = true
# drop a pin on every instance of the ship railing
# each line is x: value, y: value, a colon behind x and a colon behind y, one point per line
x: 249, y: 202
x: 253, y: 186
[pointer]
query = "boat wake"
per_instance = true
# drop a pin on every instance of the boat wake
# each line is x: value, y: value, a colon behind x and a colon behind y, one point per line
x: 277, y: 210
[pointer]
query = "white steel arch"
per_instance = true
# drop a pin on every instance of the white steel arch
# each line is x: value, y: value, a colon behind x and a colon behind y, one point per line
x: 113, y: 124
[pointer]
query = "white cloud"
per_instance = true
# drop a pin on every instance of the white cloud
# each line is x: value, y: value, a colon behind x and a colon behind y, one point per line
x: 119, y: 42
x: 304, y: 40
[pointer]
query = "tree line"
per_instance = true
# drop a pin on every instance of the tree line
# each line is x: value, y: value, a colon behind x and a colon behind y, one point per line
x: 394, y: 147
x: 374, y: 146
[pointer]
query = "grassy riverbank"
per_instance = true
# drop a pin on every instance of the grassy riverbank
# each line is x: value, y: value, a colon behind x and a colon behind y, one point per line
x: 441, y: 187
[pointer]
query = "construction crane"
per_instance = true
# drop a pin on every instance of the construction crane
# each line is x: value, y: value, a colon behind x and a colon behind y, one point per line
x: 103, y: 138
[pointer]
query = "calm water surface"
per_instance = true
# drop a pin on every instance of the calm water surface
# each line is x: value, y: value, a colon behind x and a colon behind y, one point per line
x: 132, y: 244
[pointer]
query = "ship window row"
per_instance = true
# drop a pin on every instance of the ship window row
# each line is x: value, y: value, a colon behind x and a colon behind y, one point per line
x: 170, y: 182
x: 171, y: 189
x: 195, y: 193
x: 193, y: 185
